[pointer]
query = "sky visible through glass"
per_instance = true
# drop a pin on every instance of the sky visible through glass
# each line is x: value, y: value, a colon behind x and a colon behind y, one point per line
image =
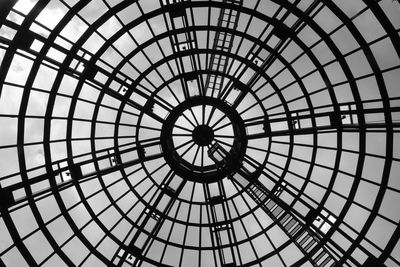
x: 86, y: 87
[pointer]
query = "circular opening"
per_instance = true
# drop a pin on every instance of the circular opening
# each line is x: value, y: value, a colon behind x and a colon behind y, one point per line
x: 187, y: 139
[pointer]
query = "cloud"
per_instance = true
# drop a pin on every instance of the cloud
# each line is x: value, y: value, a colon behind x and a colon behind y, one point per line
x: 25, y: 6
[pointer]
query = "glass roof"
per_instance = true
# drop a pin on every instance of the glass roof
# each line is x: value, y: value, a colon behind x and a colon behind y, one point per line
x: 199, y: 133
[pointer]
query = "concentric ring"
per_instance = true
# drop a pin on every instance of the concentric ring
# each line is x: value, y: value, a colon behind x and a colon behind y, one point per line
x: 199, y: 133
x: 208, y: 170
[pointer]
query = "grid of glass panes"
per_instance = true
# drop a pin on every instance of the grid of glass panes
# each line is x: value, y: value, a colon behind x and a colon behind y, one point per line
x: 350, y: 172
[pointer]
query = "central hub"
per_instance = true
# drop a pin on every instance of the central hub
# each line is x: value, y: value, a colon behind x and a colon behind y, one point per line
x: 203, y: 139
x: 203, y: 135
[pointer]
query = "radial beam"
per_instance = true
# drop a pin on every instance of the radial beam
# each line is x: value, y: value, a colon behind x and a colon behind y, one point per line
x: 299, y: 232
x: 223, y: 41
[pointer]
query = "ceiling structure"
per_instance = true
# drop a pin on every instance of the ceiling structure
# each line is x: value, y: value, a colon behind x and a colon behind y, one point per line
x: 199, y: 133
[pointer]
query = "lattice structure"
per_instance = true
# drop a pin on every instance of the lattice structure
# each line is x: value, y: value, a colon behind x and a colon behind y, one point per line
x: 214, y: 133
x: 223, y: 41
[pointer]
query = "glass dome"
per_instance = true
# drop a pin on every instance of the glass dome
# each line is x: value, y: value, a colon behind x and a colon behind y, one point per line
x: 199, y: 133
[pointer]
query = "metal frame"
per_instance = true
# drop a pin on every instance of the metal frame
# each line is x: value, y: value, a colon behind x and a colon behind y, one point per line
x: 126, y: 140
